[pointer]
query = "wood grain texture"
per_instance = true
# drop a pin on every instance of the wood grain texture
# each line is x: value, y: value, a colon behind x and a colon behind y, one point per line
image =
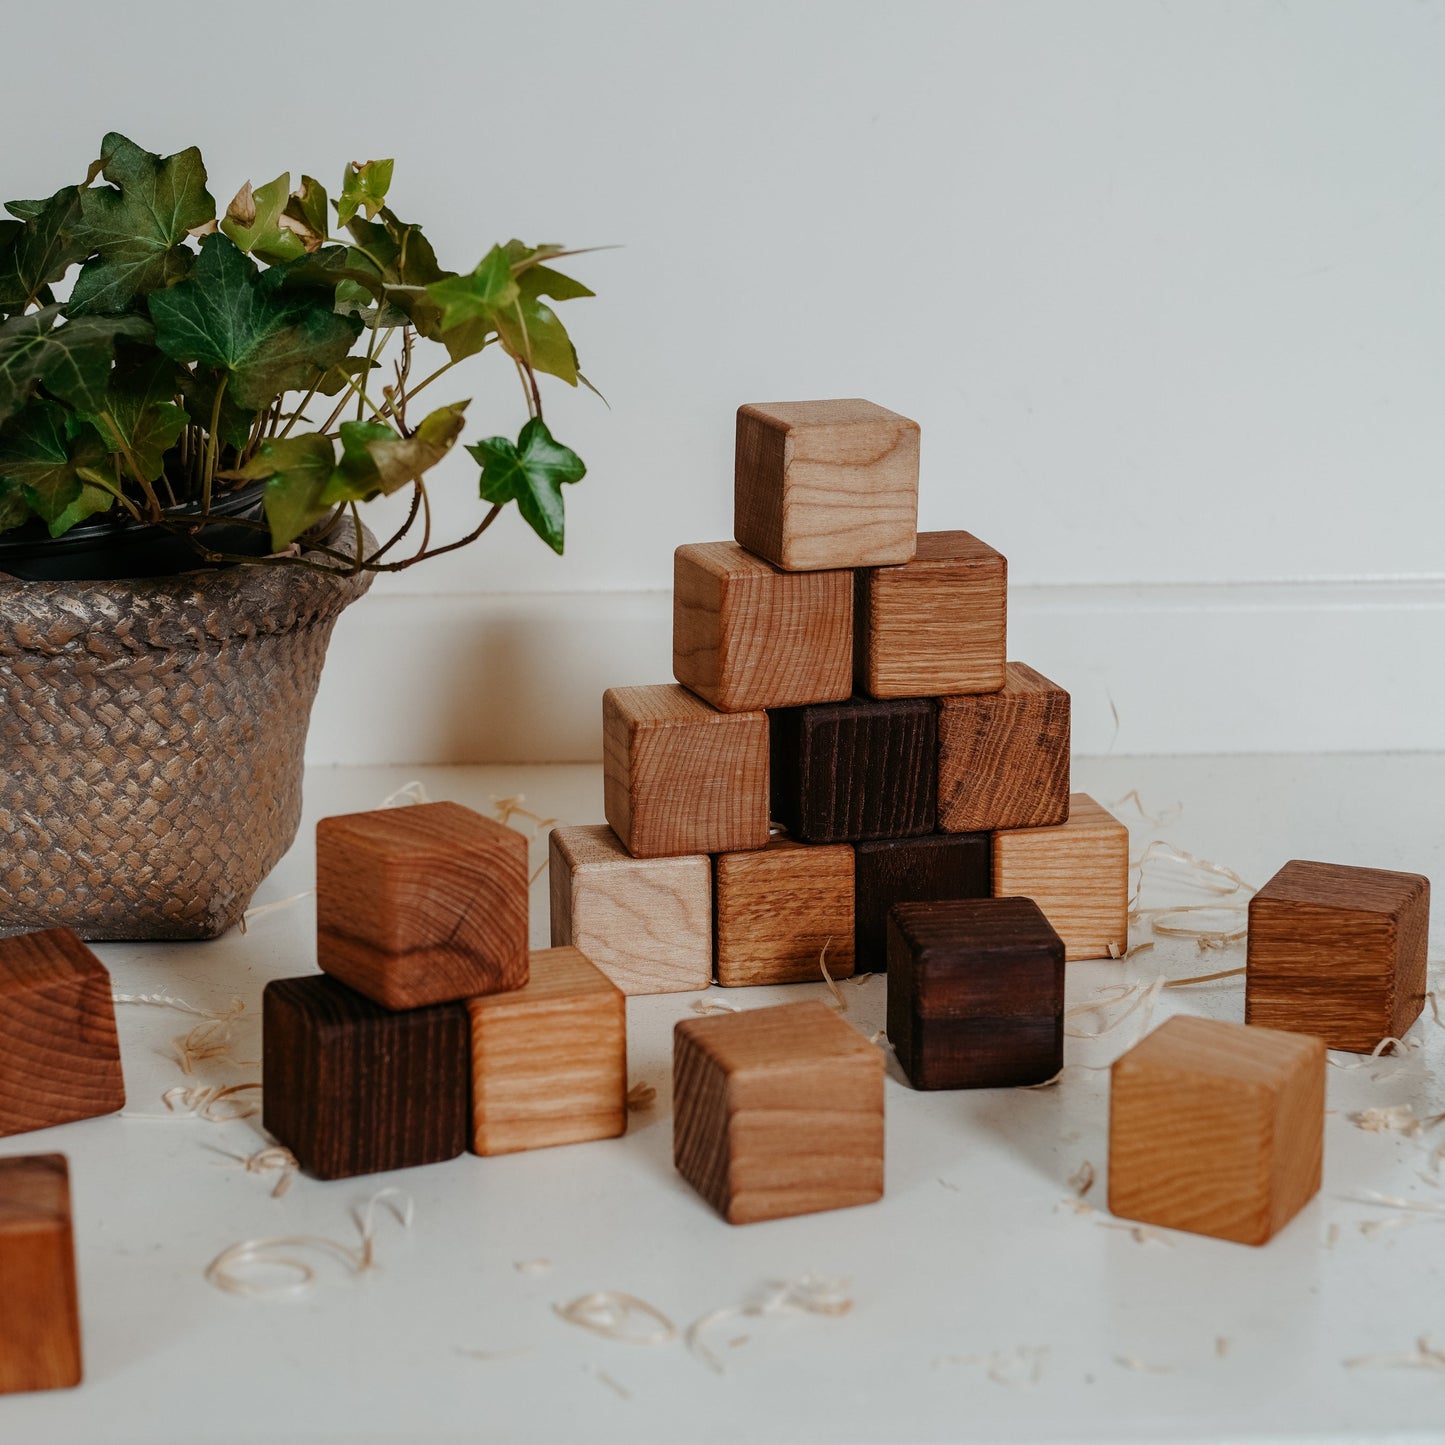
x: 822, y: 484
x: 1077, y: 872
x: 549, y: 1060
x: 912, y: 870
x: 59, y: 1055
x: 681, y: 777
x: 353, y: 1088
x: 39, y: 1305
x: 1003, y: 757
x: 777, y: 1111
x: 1338, y: 952
x: 421, y: 905
x: 778, y: 907
x: 935, y: 625
x: 747, y: 635
x: 645, y: 922
x: 1217, y: 1128
x: 853, y: 770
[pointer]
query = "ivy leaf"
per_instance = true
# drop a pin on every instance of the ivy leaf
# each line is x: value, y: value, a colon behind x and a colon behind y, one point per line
x: 530, y: 329
x: 531, y: 472
x: 299, y: 469
x: 92, y: 499
x: 339, y: 377
x: 140, y: 415
x: 364, y: 189
x: 42, y: 248
x: 44, y: 450
x: 14, y: 509
x: 71, y: 360
x: 407, y: 264
x: 255, y: 221
x: 355, y: 478
x: 376, y: 461
x: 479, y: 295
x: 306, y: 207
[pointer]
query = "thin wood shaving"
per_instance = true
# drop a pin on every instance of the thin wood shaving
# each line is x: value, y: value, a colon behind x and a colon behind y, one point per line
x: 1394, y: 1119
x: 1021, y: 1366
x: 1142, y: 1367
x: 273, y: 1158
x: 532, y: 1266
x: 838, y: 999
x: 1221, y: 1347
x: 1163, y: 819
x: 808, y: 1294
x: 1398, y: 1047
x: 165, y: 1000
x: 1139, y: 1233
x: 1047, y: 1083
x: 408, y: 795
x: 1393, y: 1201
x: 616, y: 1315
x: 490, y: 1355
x: 641, y: 1096
x: 1425, y: 1356
x: 713, y: 1006
x: 1082, y: 1179
x: 505, y: 809
x: 211, y: 1102
x: 613, y: 1385
x: 263, y: 908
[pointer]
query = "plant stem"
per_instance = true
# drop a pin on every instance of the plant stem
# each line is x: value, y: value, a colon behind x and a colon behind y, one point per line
x: 211, y: 444
x: 296, y: 415
x: 401, y: 531
x: 130, y: 461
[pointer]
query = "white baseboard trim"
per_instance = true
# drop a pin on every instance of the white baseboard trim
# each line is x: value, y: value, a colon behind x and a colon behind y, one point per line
x: 1219, y: 668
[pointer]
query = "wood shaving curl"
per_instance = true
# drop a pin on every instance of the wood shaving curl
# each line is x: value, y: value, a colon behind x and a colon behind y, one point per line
x: 1142, y: 1367
x: 616, y: 1315
x: 839, y: 1002
x: 808, y: 1295
x: 641, y: 1096
x: 1082, y: 1179
x: 211, y: 1102
x: 1425, y: 1356
x: 713, y: 1006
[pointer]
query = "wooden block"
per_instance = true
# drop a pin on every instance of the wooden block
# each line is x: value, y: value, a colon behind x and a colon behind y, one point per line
x: 645, y: 922
x: 778, y: 908
x: 681, y: 777
x: 59, y: 1055
x: 1003, y: 757
x: 913, y: 870
x: 935, y: 625
x: 975, y: 993
x: 747, y: 635
x: 777, y: 1111
x: 859, y: 769
x: 1077, y: 872
x: 39, y: 1309
x: 1338, y: 952
x: 352, y: 1088
x: 549, y: 1060
x: 421, y: 905
x: 1217, y: 1128
x: 824, y: 484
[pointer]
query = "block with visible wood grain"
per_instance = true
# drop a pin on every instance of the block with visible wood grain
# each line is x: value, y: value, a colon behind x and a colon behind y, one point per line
x: 777, y: 1111
x: 823, y: 484
x: 59, y: 1055
x: 1217, y: 1128
x: 929, y: 869
x: 1003, y: 757
x: 935, y: 625
x: 549, y: 1060
x: 1077, y: 872
x: 747, y: 635
x: 350, y: 1087
x: 681, y: 777
x: 1339, y: 952
x: 421, y: 905
x: 39, y: 1304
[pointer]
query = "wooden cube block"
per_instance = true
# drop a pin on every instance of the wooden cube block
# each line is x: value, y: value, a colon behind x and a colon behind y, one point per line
x: 59, y: 1055
x: 549, y: 1060
x: 975, y: 993
x: 777, y: 1111
x: 778, y: 908
x: 747, y: 635
x: 1003, y: 757
x: 857, y: 769
x: 351, y: 1087
x: 1217, y: 1128
x: 1338, y: 952
x: 681, y: 777
x: 913, y: 870
x: 40, y: 1314
x: 935, y: 625
x: 421, y: 905
x: 824, y: 484
x: 645, y: 922
x: 1077, y: 872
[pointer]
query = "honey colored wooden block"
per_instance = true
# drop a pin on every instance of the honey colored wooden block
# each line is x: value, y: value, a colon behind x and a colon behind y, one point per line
x: 39, y: 1309
x: 549, y: 1060
x: 1077, y: 872
x: 935, y: 625
x: 823, y: 484
x: 1338, y: 952
x: 1003, y: 757
x: 645, y: 922
x: 1217, y: 1128
x: 777, y: 1111
x: 930, y: 869
x: 421, y: 905
x: 778, y: 908
x: 681, y: 777
x: 59, y: 1056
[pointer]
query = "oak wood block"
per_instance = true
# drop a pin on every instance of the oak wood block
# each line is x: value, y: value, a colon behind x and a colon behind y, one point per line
x: 1003, y: 757
x: 1338, y: 952
x: 549, y: 1060
x: 1217, y: 1128
x: 823, y: 484
x: 352, y: 1088
x: 1077, y: 872
x: 778, y: 908
x: 421, y: 905
x: 844, y: 771
x: 39, y: 1307
x: 645, y: 922
x: 935, y: 625
x: 59, y: 1055
x: 777, y: 1111
x: 681, y: 777
x: 747, y: 635
x: 930, y: 869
